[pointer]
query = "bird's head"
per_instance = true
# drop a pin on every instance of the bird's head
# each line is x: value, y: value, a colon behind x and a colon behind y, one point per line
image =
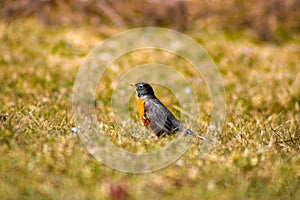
x: 143, y: 89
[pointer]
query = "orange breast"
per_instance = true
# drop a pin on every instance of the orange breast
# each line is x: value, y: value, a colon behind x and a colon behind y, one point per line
x: 141, y: 110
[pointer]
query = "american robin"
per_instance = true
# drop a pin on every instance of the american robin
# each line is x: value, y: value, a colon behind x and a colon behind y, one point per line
x: 155, y: 115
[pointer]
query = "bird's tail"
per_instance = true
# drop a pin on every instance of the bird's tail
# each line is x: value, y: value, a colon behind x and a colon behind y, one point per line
x: 189, y: 132
x: 180, y: 128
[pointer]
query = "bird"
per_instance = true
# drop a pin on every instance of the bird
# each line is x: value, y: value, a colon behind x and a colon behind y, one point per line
x: 155, y: 115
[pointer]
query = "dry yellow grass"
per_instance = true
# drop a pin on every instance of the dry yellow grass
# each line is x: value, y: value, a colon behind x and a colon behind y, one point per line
x: 258, y: 152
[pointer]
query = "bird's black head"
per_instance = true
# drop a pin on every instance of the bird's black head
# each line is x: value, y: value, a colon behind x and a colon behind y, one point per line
x: 144, y: 89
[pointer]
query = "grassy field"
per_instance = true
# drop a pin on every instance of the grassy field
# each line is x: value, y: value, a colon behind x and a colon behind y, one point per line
x: 257, y: 157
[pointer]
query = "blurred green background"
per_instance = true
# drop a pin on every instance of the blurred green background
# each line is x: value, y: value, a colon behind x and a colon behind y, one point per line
x: 256, y: 46
x: 266, y: 20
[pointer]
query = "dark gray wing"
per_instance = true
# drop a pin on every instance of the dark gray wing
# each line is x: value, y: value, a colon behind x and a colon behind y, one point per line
x: 159, y: 116
x: 162, y: 120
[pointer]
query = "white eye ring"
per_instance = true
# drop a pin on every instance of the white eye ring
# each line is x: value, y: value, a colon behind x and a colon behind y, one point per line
x: 140, y: 87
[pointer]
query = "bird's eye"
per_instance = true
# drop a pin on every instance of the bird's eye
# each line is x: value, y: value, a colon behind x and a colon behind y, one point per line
x: 140, y: 87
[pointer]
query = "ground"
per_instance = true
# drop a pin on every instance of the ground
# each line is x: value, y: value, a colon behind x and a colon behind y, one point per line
x: 257, y: 156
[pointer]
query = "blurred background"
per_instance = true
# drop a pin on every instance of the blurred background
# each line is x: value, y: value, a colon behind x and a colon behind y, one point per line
x: 273, y: 20
x: 255, y: 45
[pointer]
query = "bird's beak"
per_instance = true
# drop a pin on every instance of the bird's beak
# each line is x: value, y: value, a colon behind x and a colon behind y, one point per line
x: 132, y: 85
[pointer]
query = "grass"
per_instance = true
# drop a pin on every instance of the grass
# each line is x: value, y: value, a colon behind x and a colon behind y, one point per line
x: 40, y: 158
